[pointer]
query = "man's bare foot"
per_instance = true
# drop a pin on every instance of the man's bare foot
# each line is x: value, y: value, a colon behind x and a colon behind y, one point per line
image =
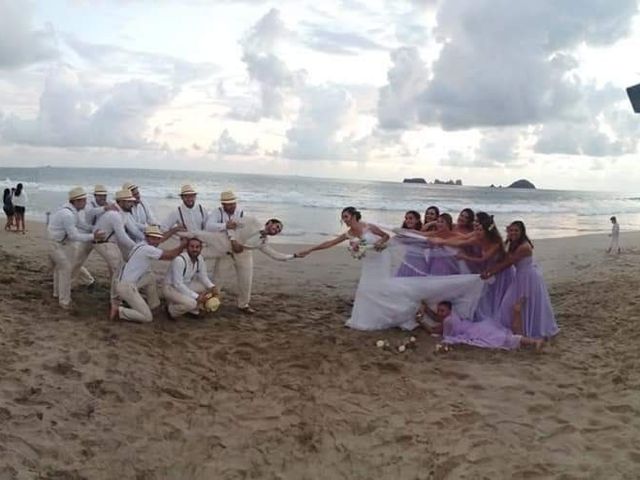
x: 114, y: 311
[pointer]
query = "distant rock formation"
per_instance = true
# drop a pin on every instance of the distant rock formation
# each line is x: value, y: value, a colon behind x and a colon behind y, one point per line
x: 522, y: 183
x: 448, y: 182
x: 414, y: 180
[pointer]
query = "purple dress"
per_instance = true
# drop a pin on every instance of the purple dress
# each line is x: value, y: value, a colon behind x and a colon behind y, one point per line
x: 414, y: 263
x: 495, y: 289
x: 485, y: 334
x: 538, y: 320
x: 443, y: 261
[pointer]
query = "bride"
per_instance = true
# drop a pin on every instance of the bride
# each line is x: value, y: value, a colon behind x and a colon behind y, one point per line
x: 382, y: 300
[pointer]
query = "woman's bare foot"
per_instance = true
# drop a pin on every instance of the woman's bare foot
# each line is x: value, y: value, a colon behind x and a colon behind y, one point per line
x: 538, y: 344
x: 517, y: 307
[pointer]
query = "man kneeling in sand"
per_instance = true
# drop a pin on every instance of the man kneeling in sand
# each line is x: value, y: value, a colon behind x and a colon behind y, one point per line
x: 249, y: 236
x: 187, y: 286
x: 136, y: 274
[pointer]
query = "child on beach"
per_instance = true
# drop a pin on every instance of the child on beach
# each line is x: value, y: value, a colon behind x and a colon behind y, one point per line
x: 614, y: 245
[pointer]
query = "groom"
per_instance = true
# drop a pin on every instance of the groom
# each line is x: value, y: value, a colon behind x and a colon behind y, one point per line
x: 248, y: 236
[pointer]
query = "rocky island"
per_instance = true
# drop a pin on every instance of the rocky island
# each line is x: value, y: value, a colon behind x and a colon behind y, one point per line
x: 414, y: 180
x: 522, y: 183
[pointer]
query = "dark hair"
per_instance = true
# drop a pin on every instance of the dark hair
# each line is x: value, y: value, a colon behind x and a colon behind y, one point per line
x: 447, y: 218
x: 613, y: 218
x: 432, y: 207
x: 197, y: 239
x: 471, y: 215
x: 18, y: 190
x: 353, y: 212
x: 446, y: 303
x: 7, y: 193
x: 275, y: 220
x: 511, y: 247
x: 489, y: 227
x: 416, y: 215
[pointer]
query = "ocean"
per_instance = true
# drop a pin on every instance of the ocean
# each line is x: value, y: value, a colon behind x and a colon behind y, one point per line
x: 310, y: 207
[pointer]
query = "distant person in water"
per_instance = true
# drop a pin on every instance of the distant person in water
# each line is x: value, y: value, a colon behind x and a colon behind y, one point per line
x: 614, y: 245
x: 7, y: 206
x: 20, y: 205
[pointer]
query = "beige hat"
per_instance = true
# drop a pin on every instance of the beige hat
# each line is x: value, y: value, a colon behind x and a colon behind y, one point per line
x: 77, y: 193
x: 187, y: 190
x: 153, y: 231
x: 228, y: 197
x: 125, y: 195
x: 129, y: 186
x: 100, y: 190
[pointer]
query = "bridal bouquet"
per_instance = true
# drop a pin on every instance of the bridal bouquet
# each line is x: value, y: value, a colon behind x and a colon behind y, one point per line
x: 358, y: 248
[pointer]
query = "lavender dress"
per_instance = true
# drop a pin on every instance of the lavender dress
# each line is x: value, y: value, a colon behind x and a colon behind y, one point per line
x: 443, y: 261
x: 538, y: 320
x: 415, y: 262
x: 495, y: 289
x: 486, y: 334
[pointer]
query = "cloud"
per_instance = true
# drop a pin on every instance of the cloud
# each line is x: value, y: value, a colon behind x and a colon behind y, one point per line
x: 20, y: 44
x: 74, y: 112
x: 508, y: 63
x: 274, y: 78
x: 335, y: 41
x: 227, y: 145
x: 317, y: 133
x: 397, y: 105
x: 497, y: 147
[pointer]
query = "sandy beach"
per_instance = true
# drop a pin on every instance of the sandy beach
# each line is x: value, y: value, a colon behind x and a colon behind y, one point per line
x: 290, y: 393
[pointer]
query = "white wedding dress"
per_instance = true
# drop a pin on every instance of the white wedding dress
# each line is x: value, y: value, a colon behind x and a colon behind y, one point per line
x: 385, y: 301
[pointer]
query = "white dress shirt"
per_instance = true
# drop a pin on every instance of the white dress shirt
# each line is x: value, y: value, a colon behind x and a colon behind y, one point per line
x: 143, y: 214
x: 217, y: 221
x: 63, y: 225
x: 139, y: 262
x: 193, y: 219
x: 182, y: 271
x: 112, y: 224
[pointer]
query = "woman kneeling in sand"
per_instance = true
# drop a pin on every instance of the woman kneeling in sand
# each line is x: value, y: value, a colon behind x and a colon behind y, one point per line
x: 485, y: 334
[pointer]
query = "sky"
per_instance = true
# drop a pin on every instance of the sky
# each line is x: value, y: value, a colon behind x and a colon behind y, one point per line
x: 486, y: 91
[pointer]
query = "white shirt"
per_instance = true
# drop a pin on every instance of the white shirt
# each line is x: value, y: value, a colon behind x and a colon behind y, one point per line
x: 193, y: 219
x: 615, y: 230
x: 143, y: 214
x: 182, y: 271
x: 217, y: 221
x: 112, y: 224
x: 20, y: 201
x: 92, y: 212
x: 63, y: 225
x: 139, y: 262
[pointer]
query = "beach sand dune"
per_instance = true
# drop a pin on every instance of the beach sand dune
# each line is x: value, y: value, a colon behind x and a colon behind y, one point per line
x: 290, y: 393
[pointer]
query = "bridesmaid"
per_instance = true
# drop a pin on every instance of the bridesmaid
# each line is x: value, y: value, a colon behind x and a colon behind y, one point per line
x: 414, y: 263
x: 487, y: 240
x: 464, y: 223
x: 442, y: 260
x: 537, y: 320
x: 430, y: 217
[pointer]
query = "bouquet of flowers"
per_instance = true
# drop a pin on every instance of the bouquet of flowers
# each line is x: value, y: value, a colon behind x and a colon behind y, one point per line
x: 358, y: 248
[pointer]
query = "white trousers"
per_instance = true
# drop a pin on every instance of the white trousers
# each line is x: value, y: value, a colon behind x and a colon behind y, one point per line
x: 79, y: 273
x: 138, y: 309
x: 243, y: 265
x: 178, y: 303
x: 111, y: 254
x: 61, y: 256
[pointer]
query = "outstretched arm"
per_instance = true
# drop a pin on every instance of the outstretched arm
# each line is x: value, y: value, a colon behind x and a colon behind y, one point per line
x: 426, y: 310
x: 384, y: 236
x: 482, y: 258
x: 322, y: 246
x: 522, y: 251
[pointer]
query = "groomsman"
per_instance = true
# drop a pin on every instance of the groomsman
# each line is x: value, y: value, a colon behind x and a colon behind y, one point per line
x: 226, y: 217
x: 141, y: 211
x: 190, y: 215
x: 187, y: 284
x: 136, y: 275
x: 116, y: 240
x: 63, y: 233
x: 97, y: 206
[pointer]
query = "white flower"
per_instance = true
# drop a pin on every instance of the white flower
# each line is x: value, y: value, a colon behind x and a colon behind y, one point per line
x: 412, y: 339
x: 380, y: 343
x: 402, y: 348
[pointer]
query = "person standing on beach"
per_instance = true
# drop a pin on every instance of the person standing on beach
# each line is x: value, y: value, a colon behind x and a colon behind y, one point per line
x: 187, y: 285
x: 136, y: 274
x: 9, y: 211
x: 19, y: 200
x: 249, y: 235
x: 614, y: 245
x: 63, y: 233
x: 191, y: 216
x: 142, y: 213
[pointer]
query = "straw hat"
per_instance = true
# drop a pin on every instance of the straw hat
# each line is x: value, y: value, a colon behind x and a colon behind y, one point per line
x: 129, y: 186
x: 153, y: 231
x: 77, y: 193
x: 100, y: 190
x: 187, y: 190
x: 125, y: 195
x: 228, y: 197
